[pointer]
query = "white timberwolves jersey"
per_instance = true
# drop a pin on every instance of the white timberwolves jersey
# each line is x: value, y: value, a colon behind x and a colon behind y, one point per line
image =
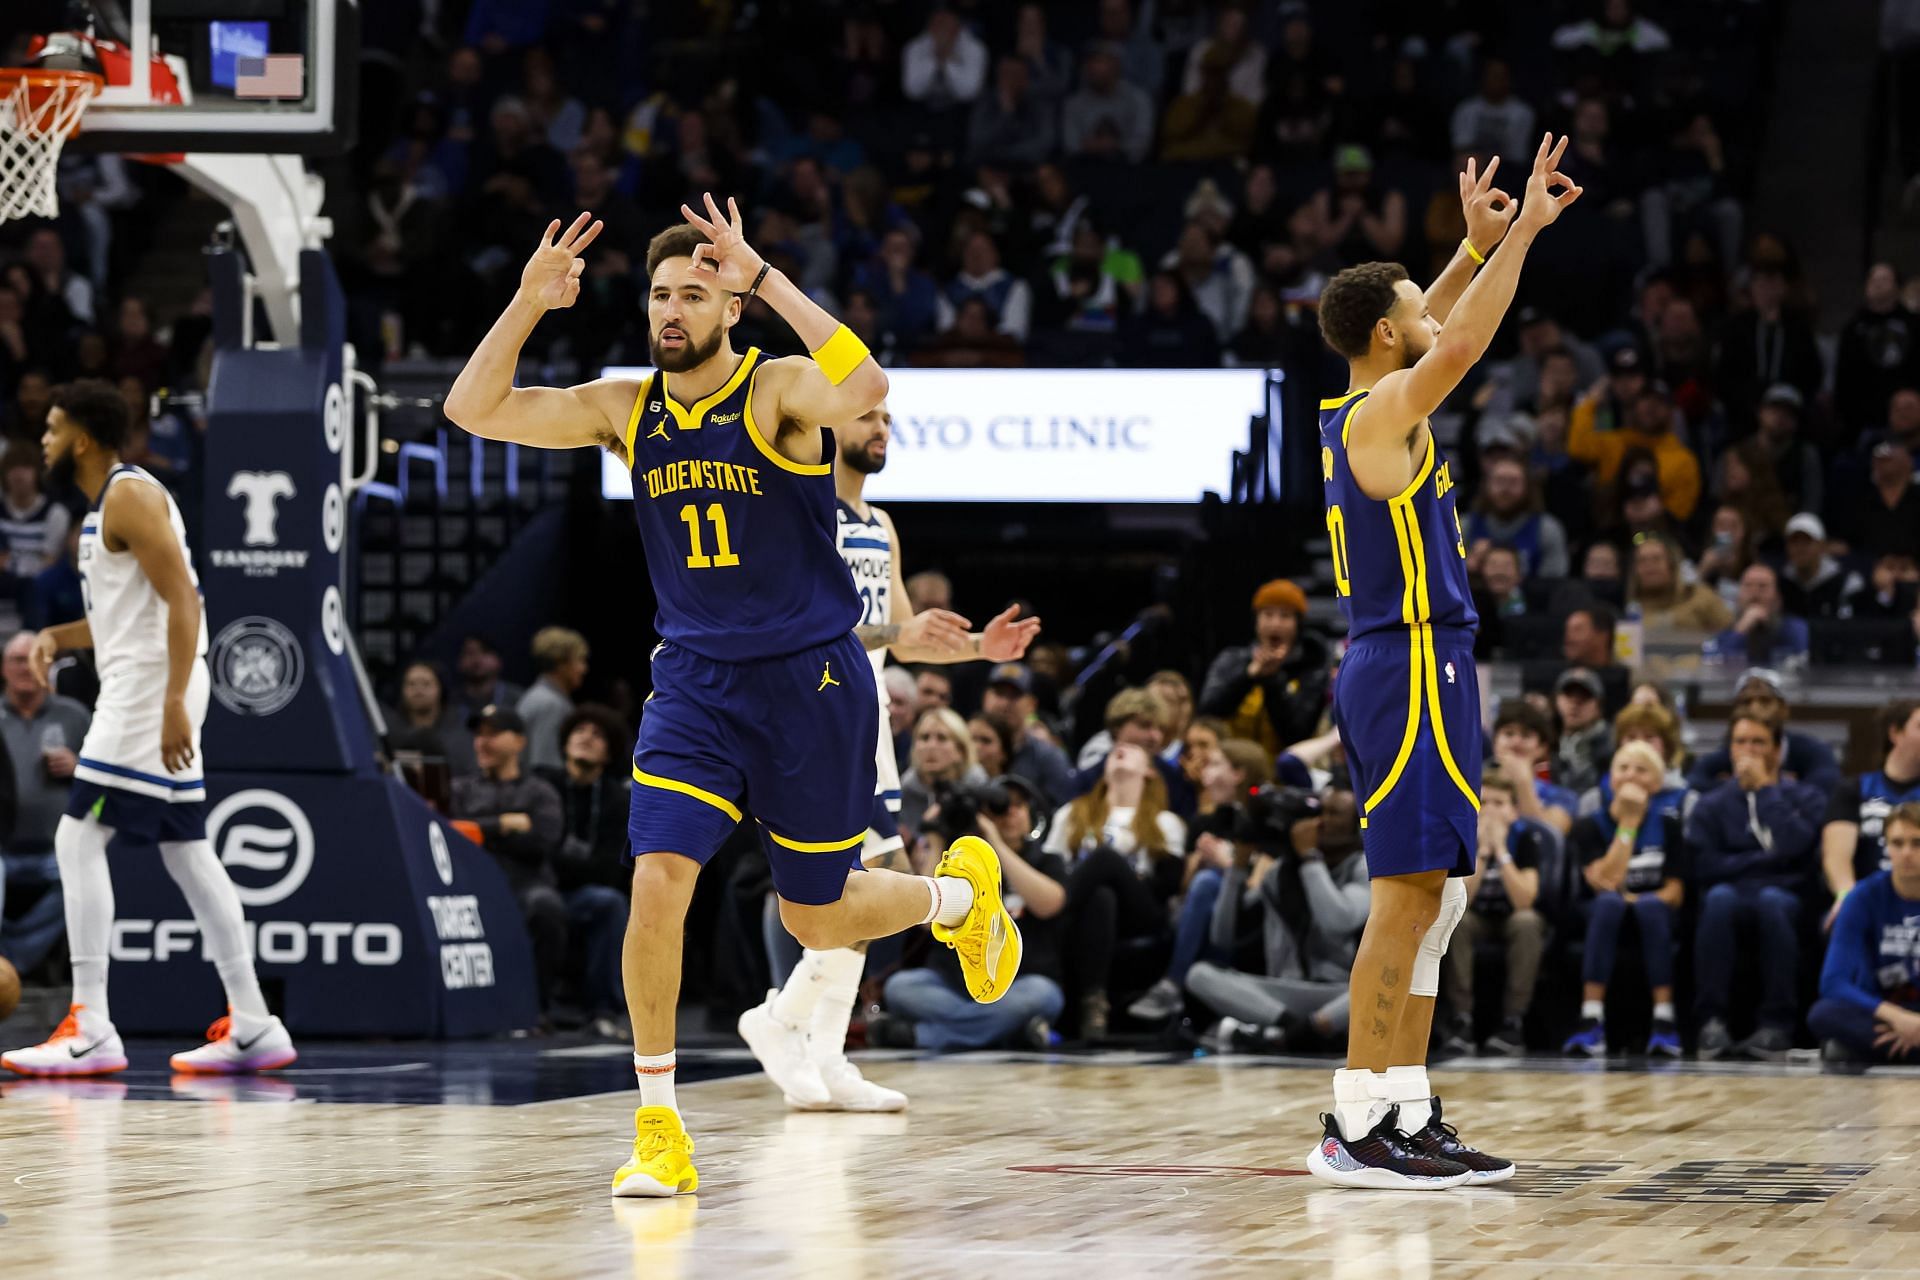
x: 128, y: 620
x: 868, y: 550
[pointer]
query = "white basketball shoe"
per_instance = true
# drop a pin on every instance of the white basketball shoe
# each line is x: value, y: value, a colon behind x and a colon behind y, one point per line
x: 848, y: 1090
x: 238, y: 1045
x: 84, y: 1044
x: 782, y: 1052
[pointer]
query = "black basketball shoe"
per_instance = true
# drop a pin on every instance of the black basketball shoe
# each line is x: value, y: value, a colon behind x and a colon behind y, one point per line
x: 1439, y: 1140
x: 1386, y: 1159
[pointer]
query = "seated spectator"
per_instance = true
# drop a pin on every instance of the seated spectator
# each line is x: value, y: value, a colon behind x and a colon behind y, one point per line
x: 1650, y: 428
x: 1210, y: 121
x: 1814, y: 585
x: 592, y: 869
x: 1507, y: 510
x: 1892, y: 590
x: 1234, y: 53
x: 992, y: 745
x: 1903, y: 424
x: 1311, y: 890
x: 902, y: 700
x: 1010, y: 702
x: 1170, y: 332
x: 1782, y: 443
x: 1355, y: 220
x: 929, y: 1008
x: 1762, y: 634
x: 1493, y: 122
x: 1138, y: 718
x: 478, y: 668
x: 33, y: 525
x: 560, y: 656
x: 1498, y: 594
x: 1094, y: 284
x: 1633, y: 859
x: 1522, y: 750
x: 1666, y: 602
x: 1008, y: 300
x: 1869, y: 1005
x: 1049, y: 65
x: 1500, y: 899
x: 1273, y: 691
x: 1107, y: 118
x: 1176, y: 707
x: 906, y: 297
x: 40, y: 735
x: 1123, y: 848
x: 942, y: 756
x: 1853, y: 843
x: 427, y: 723
x: 58, y: 594
x: 1729, y: 551
x: 1012, y: 124
x: 1886, y: 519
x: 1586, y: 739
x: 1198, y: 746
x: 1745, y: 479
x: 1753, y: 841
x: 1879, y: 353
x: 519, y: 820
x: 1762, y: 692
x: 1768, y: 348
x: 1232, y: 772
x: 945, y: 66
x: 1645, y: 720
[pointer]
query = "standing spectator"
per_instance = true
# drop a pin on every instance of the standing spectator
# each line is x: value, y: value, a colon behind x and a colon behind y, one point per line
x: 1500, y: 895
x: 1796, y: 463
x: 1273, y: 691
x: 41, y: 732
x: 1586, y: 739
x: 427, y: 723
x: 1494, y: 122
x: 519, y: 819
x: 33, y: 525
x: 1768, y: 344
x: 1879, y: 353
x: 1853, y: 843
x: 1761, y: 692
x: 560, y: 656
x: 1507, y: 510
x: 591, y: 866
x: 1012, y: 125
x: 1633, y: 859
x: 1665, y: 600
x: 1009, y: 701
x: 1109, y: 118
x: 1762, y: 635
x: 480, y: 682
x: 1753, y: 840
x: 1886, y: 519
x: 1814, y: 584
x: 1651, y: 429
x: 1007, y: 298
x: 1869, y: 1006
x: 945, y: 66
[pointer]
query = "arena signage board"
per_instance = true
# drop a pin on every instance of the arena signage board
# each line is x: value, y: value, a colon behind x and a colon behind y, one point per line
x: 1052, y: 435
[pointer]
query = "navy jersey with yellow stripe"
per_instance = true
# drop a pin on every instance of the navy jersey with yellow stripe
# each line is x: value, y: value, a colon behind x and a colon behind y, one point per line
x: 739, y: 540
x: 1397, y: 561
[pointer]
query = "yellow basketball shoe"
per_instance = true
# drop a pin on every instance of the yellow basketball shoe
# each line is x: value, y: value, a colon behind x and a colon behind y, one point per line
x: 987, y: 941
x: 662, y: 1163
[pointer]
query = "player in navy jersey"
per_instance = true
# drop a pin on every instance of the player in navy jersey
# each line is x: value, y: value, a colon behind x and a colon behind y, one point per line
x: 1407, y: 701
x: 761, y: 694
x: 1853, y: 843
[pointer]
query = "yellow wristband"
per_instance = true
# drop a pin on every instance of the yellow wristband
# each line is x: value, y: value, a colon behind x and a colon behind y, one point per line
x: 1479, y: 259
x: 840, y: 355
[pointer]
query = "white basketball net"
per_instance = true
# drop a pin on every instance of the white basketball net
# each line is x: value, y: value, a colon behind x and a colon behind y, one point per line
x: 35, y: 120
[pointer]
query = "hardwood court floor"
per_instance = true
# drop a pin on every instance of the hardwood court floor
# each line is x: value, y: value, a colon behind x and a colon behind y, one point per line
x: 1020, y: 1168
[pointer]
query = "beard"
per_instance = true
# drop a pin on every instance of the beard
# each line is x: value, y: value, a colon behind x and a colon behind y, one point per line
x: 858, y: 459
x: 1408, y: 356
x: 691, y: 355
x: 59, y: 473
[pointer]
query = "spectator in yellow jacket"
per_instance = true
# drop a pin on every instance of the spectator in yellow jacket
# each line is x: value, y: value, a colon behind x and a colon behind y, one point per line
x: 1649, y: 428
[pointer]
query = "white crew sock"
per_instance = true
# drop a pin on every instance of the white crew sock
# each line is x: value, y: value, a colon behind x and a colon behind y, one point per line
x: 655, y: 1073
x: 1663, y: 1011
x: 1595, y: 1009
x: 827, y: 1032
x: 80, y: 847
x: 216, y: 907
x: 793, y: 1004
x: 1354, y: 1104
x: 950, y: 898
x: 1406, y: 1088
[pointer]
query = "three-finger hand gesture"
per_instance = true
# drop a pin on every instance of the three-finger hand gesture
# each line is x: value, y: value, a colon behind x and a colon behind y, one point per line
x: 551, y: 278
x: 1543, y: 203
x: 1488, y: 209
x: 729, y: 259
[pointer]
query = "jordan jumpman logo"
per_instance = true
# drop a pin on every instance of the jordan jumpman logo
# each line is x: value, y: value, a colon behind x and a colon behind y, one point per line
x: 826, y: 678
x: 660, y: 431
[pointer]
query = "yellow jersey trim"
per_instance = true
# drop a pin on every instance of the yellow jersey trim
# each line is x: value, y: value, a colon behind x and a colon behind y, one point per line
x: 801, y: 846
x: 1412, y: 734
x: 646, y: 779
x: 633, y: 419
x: 1337, y: 401
x: 773, y: 455
x: 695, y: 418
x: 1420, y: 476
x: 1440, y: 721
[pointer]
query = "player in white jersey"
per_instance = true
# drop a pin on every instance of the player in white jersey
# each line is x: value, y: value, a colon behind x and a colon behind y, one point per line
x: 799, y: 1033
x: 139, y: 775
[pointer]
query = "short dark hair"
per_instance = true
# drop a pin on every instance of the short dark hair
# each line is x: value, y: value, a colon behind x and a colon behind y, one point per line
x: 1599, y: 615
x: 1354, y: 301
x: 605, y: 719
x: 675, y: 242
x: 1524, y: 715
x: 1775, y: 729
x: 1894, y: 717
x: 96, y: 408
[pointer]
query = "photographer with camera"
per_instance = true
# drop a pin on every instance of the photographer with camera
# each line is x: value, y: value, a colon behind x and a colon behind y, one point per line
x: 942, y: 755
x: 929, y: 1008
x: 1294, y: 860
x: 1123, y: 846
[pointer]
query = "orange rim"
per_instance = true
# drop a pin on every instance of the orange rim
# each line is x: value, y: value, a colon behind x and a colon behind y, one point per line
x: 40, y: 78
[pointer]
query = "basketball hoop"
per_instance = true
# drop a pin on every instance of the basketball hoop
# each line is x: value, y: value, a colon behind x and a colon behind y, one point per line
x: 39, y: 111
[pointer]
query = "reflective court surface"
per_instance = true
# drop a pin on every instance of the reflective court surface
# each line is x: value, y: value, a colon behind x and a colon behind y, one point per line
x: 494, y: 1160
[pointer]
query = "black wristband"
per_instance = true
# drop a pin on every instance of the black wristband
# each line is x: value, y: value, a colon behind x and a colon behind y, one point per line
x: 757, y: 282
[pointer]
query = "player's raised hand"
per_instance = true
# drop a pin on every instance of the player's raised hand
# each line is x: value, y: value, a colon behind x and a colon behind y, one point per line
x: 1006, y: 638
x: 1488, y: 209
x: 729, y: 260
x: 938, y: 631
x: 1548, y: 190
x: 551, y: 278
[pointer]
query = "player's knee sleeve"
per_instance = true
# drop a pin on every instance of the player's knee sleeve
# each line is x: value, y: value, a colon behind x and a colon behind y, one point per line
x: 1426, y: 965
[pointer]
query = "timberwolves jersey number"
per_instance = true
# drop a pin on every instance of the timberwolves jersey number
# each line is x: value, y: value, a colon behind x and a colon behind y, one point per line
x: 868, y: 554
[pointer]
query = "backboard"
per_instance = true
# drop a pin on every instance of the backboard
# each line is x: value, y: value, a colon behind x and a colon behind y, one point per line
x: 273, y: 77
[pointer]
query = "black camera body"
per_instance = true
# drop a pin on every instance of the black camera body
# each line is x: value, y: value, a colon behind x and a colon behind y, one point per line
x: 960, y: 807
x: 1267, y: 817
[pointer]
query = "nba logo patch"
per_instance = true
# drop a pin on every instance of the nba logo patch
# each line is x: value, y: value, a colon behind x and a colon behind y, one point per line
x: 1449, y: 673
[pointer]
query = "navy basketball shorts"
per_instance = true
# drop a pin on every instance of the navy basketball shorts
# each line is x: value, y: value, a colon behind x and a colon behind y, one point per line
x: 791, y: 738
x: 143, y: 819
x: 1407, y: 704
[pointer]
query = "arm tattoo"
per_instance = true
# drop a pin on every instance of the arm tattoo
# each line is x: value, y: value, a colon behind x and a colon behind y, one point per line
x: 877, y: 637
x: 1389, y: 976
x: 1379, y: 1029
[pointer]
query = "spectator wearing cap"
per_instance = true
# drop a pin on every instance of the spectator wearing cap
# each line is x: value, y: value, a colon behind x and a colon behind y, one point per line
x: 1649, y: 428
x: 1814, y: 584
x: 1494, y: 122
x: 1796, y: 463
x: 1508, y: 510
x: 1274, y: 690
x: 1009, y: 701
x: 1608, y: 403
x: 1107, y: 118
x: 1658, y: 588
x: 1586, y: 739
x: 591, y: 867
x: 1762, y: 634
x: 1886, y: 519
x: 1356, y: 220
x: 560, y: 656
x: 1879, y: 352
x: 1761, y: 691
x: 1768, y: 344
x: 519, y: 820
